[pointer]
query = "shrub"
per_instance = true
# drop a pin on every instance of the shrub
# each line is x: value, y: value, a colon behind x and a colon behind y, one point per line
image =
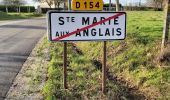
x: 12, y: 8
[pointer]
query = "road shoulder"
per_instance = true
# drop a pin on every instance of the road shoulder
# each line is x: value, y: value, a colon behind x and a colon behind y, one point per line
x: 31, y: 78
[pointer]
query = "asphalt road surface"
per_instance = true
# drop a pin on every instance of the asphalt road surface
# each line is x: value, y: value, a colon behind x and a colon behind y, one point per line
x: 17, y: 39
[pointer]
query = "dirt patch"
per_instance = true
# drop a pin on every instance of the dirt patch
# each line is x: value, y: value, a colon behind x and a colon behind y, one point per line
x: 164, y: 58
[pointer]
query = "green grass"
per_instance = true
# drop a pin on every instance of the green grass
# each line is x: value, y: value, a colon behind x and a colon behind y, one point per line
x: 84, y: 78
x: 133, y: 60
x: 14, y: 16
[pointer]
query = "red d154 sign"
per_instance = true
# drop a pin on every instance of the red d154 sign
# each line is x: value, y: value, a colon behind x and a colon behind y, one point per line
x: 86, y: 26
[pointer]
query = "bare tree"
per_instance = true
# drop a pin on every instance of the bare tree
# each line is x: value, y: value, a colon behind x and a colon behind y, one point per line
x: 49, y: 2
x: 7, y: 3
x: 56, y: 3
x: 18, y: 3
x: 38, y: 8
x: 139, y: 3
x: 155, y: 3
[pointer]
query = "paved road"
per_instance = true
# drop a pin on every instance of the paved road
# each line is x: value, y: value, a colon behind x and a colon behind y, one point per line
x: 17, y: 39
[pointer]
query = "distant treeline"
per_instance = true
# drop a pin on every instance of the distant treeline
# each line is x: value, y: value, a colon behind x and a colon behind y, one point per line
x: 112, y: 5
x: 45, y: 10
x: 123, y: 8
x: 132, y: 8
x: 13, y: 8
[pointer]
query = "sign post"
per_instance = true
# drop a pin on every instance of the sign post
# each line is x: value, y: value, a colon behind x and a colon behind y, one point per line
x: 104, y: 68
x: 65, y: 66
x: 110, y: 5
x: 65, y: 57
x: 67, y: 26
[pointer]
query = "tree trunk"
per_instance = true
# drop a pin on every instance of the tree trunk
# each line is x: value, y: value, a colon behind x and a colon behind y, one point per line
x: 140, y: 3
x: 64, y: 6
x: 58, y: 4
x: 166, y: 26
x: 117, y: 5
x: 29, y: 10
x: 39, y: 10
x: 161, y: 4
x: 55, y: 4
x: 6, y: 8
x: 19, y: 9
x: 49, y: 4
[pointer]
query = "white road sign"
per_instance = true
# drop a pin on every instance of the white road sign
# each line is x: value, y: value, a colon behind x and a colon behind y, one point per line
x: 86, y: 26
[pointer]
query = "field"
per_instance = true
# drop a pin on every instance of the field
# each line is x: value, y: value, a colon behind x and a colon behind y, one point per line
x: 136, y: 69
x: 14, y: 16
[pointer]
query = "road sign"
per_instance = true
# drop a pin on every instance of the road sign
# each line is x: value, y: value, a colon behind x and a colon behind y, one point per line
x: 86, y: 26
x: 87, y: 4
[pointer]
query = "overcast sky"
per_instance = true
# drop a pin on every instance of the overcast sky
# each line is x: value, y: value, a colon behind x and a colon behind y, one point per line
x: 125, y: 1
x: 106, y: 1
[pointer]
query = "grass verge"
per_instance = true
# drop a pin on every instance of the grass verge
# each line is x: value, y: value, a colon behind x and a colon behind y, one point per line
x: 134, y: 61
x: 14, y: 16
x: 32, y: 77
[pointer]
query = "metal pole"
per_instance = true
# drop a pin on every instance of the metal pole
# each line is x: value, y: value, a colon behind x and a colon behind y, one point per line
x: 104, y: 68
x: 65, y: 56
x: 69, y: 5
x: 110, y: 5
x: 65, y: 65
x: 104, y: 62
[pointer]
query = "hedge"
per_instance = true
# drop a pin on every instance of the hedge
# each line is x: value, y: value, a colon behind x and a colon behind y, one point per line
x: 45, y: 10
x: 12, y: 8
x: 142, y: 8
